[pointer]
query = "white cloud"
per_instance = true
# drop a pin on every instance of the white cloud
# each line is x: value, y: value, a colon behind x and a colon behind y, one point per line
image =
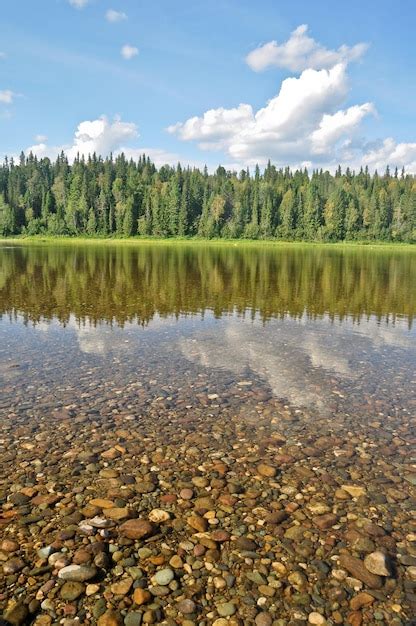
x: 7, y: 96
x: 389, y: 152
x: 215, y: 126
x: 333, y: 127
x: 78, y: 4
x: 306, y: 124
x: 2, y: 55
x: 300, y: 52
x: 301, y: 123
x: 100, y: 136
x: 113, y: 16
x: 128, y: 52
x: 103, y: 137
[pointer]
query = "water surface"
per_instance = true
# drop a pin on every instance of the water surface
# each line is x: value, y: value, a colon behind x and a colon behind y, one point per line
x: 326, y: 330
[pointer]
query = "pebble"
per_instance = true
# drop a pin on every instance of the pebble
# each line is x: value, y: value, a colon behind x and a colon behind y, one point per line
x: 263, y: 619
x: 136, y: 529
x: 186, y: 606
x: 17, y: 614
x: 164, y: 576
x: 158, y: 516
x: 377, y: 563
x: 316, y: 618
x: 226, y: 609
x: 357, y: 568
x: 110, y: 618
x: 77, y: 573
x: 141, y: 596
x: 71, y: 590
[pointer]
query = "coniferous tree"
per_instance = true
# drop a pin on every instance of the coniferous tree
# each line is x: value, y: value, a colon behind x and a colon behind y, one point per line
x: 121, y: 197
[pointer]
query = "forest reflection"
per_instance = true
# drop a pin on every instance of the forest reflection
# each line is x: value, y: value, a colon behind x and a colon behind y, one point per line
x: 127, y: 283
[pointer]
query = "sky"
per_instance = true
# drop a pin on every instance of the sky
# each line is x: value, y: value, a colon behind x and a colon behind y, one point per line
x: 230, y: 82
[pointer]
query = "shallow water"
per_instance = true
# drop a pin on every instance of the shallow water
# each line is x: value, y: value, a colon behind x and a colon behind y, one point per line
x: 266, y: 393
x: 327, y: 330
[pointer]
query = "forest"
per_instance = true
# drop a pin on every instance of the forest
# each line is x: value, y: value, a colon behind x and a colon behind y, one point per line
x: 120, y: 197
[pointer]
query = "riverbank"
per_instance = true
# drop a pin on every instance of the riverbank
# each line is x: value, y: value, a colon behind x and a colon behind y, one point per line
x: 40, y: 239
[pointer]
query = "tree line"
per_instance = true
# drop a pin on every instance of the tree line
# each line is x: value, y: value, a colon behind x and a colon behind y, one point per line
x: 121, y: 197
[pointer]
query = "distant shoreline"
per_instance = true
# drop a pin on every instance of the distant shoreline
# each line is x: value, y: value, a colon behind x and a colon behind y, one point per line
x: 195, y: 241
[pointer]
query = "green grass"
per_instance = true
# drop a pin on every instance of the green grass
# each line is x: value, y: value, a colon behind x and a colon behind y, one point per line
x: 50, y: 239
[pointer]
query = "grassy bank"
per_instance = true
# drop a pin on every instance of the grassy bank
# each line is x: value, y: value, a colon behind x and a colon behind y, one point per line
x: 49, y: 239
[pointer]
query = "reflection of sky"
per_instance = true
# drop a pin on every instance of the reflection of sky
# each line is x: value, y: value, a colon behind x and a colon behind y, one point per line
x: 298, y: 359
x: 303, y: 361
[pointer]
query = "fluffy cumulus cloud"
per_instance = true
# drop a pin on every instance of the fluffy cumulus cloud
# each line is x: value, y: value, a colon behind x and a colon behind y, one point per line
x: 303, y: 122
x: 393, y: 153
x: 7, y: 96
x: 103, y: 137
x: 333, y: 127
x: 307, y: 123
x: 128, y: 52
x: 113, y: 16
x: 300, y: 52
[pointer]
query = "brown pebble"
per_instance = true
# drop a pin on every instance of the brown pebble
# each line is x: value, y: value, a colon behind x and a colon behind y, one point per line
x: 360, y: 600
x: 136, y: 529
x: 110, y: 618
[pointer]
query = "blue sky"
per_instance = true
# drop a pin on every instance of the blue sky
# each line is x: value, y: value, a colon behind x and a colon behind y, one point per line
x: 204, y: 82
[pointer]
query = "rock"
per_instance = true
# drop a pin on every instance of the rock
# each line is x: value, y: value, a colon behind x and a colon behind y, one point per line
x: 360, y: 600
x: 377, y: 563
x: 136, y: 529
x: 176, y: 562
x: 159, y: 590
x: 17, y: 614
x: 220, y: 536
x: 186, y: 606
x: 323, y: 522
x: 102, y: 503
x: 245, y: 544
x: 141, y: 596
x: 263, y: 619
x: 355, y: 618
x: 226, y: 609
x: 96, y: 522
x: 77, y: 573
x: 13, y: 566
x: 122, y: 587
x: 159, y: 515
x: 186, y: 494
x: 71, y: 590
x: 117, y: 513
x: 110, y: 454
x: 316, y: 618
x: 198, y: 523
x: 110, y: 618
x: 133, y: 618
x: 354, y: 491
x: 268, y: 471
x: 7, y: 545
x: 164, y: 576
x: 277, y: 517
x: 357, y: 568
x: 295, y: 533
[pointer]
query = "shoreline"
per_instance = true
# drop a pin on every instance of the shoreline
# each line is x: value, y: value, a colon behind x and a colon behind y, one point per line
x: 194, y: 241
